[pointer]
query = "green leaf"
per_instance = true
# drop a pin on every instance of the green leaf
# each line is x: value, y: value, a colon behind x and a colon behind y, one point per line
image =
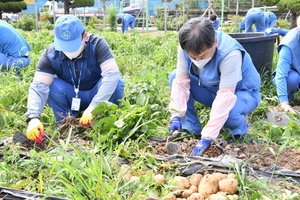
x: 120, y: 123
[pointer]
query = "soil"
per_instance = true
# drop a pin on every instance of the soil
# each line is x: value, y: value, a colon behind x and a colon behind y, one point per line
x: 260, y: 155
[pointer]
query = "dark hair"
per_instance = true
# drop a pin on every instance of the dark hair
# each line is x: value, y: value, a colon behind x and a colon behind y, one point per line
x: 119, y: 20
x: 213, y: 17
x: 196, y: 35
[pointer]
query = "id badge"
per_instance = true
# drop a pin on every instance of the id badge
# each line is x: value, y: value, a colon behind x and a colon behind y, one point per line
x: 75, y: 104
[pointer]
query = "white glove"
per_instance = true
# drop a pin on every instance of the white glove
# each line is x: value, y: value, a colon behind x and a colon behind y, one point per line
x: 287, y: 108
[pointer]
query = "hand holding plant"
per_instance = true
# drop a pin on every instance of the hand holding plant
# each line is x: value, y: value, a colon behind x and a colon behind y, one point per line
x: 35, y: 130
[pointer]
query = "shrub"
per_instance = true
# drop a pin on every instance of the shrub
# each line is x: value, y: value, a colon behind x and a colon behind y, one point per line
x: 112, y: 17
x: 26, y: 24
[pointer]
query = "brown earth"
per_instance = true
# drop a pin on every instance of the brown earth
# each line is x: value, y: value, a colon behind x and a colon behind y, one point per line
x: 260, y: 155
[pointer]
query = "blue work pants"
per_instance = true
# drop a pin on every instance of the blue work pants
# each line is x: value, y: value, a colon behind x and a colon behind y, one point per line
x: 8, y: 62
x: 62, y: 92
x: 293, y: 84
x: 257, y: 18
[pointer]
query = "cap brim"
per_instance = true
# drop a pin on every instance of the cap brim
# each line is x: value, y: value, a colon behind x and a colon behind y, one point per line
x: 62, y: 45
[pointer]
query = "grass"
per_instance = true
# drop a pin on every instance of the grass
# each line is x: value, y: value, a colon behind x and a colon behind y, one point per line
x: 96, y: 170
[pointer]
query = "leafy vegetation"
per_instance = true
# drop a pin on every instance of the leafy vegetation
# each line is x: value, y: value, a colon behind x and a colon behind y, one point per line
x: 93, y: 170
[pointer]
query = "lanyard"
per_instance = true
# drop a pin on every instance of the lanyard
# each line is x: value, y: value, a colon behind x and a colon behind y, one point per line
x: 76, y: 89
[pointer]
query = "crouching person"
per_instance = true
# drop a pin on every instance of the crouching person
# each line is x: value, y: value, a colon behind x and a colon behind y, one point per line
x: 74, y: 74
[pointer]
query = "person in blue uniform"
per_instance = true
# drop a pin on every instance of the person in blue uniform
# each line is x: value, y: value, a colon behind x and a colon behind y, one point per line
x: 270, y: 19
x: 216, y: 71
x: 254, y: 16
x: 215, y: 21
x: 75, y: 73
x: 242, y: 26
x: 281, y: 32
x: 286, y: 76
x: 268, y: 31
x: 14, y: 50
x: 127, y: 21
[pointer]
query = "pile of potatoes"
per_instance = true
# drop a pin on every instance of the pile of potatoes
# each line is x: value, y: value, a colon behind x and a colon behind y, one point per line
x: 215, y: 186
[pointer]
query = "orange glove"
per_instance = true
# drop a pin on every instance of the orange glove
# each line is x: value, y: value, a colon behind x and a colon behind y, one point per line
x: 86, y: 118
x: 35, y: 130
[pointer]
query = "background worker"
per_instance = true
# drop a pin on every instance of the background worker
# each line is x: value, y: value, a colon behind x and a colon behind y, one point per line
x: 286, y: 76
x: 281, y: 32
x: 214, y: 70
x: 215, y: 21
x: 242, y: 26
x: 74, y: 74
x: 14, y: 50
x: 255, y: 16
x: 126, y: 20
x: 270, y: 19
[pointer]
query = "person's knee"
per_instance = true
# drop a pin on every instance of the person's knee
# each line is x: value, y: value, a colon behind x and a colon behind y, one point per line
x: 293, y: 78
x: 172, y: 76
x: 118, y: 93
x: 234, y: 122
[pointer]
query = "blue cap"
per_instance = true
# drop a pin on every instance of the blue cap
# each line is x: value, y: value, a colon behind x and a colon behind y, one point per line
x: 68, y: 31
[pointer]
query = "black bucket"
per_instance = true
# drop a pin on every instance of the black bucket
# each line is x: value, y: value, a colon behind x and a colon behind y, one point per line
x: 260, y: 48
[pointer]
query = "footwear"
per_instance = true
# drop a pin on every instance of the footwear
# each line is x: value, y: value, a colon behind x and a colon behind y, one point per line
x: 184, y: 134
x: 235, y: 139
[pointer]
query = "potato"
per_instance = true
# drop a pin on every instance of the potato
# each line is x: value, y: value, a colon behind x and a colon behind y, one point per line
x: 231, y: 175
x: 222, y: 193
x: 178, y: 184
x: 183, y: 180
x: 194, y: 189
x: 170, y: 197
x: 178, y: 193
x: 158, y: 178
x: 127, y: 177
x: 134, y: 178
x: 229, y: 185
x: 195, y: 179
x: 219, y: 176
x: 217, y: 197
x: 196, y: 196
x: 186, y: 193
x: 223, y: 197
x: 208, y: 185
x: 233, y: 197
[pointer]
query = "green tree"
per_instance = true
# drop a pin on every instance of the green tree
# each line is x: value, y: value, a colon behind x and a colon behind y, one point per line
x: 293, y: 6
x: 12, y: 6
x: 112, y: 17
x: 76, y: 3
x: 104, y: 10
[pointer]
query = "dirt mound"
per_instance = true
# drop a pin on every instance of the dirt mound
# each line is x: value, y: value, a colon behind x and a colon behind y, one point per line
x: 259, y: 155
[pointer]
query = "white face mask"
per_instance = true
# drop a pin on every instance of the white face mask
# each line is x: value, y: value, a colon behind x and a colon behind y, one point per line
x: 201, y: 63
x: 74, y: 54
